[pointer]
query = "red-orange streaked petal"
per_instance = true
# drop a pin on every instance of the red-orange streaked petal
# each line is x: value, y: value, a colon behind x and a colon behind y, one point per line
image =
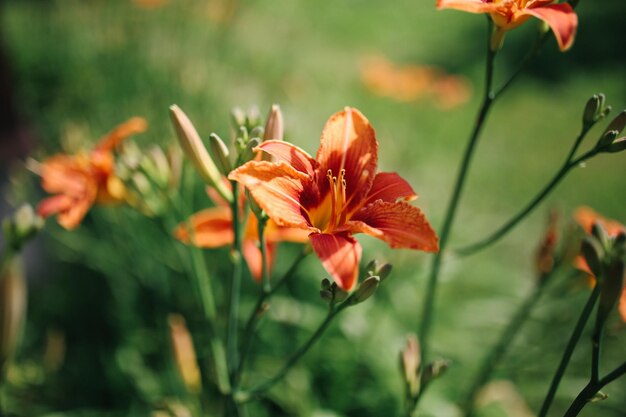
x: 274, y: 233
x: 587, y: 217
x: 399, y: 224
x: 65, y: 174
x: 289, y: 153
x: 472, y: 6
x: 53, y: 205
x: 389, y: 186
x: 277, y: 188
x: 562, y: 20
x: 348, y: 142
x: 210, y: 228
x: 131, y: 127
x: 340, y: 254
x: 73, y: 216
x: 252, y: 255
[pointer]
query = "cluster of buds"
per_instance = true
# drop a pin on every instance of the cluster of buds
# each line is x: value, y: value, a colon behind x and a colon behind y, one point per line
x: 596, y: 110
x: 150, y: 176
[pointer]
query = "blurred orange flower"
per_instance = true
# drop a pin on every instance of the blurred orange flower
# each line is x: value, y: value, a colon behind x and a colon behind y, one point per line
x: 586, y: 218
x: 509, y: 14
x: 213, y: 228
x: 337, y: 194
x: 78, y: 181
x: 150, y: 4
x: 412, y: 82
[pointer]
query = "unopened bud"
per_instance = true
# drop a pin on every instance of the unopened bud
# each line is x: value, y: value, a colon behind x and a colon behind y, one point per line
x: 599, y: 232
x: 21, y: 227
x: 184, y: 353
x: 220, y: 153
x: 196, y: 152
x: 326, y: 295
x: 274, y: 127
x: 618, y: 145
x: 618, y: 123
x: 410, y: 363
x: 254, y: 206
x: 372, y: 267
x: 366, y: 289
x: 12, y: 308
x: 238, y: 117
x: 338, y: 293
x: 607, y: 139
x: 590, y: 115
x: 249, y: 153
x: 384, y: 271
x: 325, y: 284
x: 598, y: 396
x: 593, y: 253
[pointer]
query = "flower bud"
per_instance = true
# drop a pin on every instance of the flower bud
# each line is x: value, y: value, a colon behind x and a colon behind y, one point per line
x: 184, y: 353
x: 366, y: 289
x: 617, y: 124
x: 220, y: 153
x: 384, y: 271
x: 435, y: 369
x: 372, y: 267
x: 338, y: 293
x: 617, y: 145
x: 325, y: 284
x: 274, y: 127
x: 238, y: 117
x: 590, y: 115
x: 12, y: 308
x: 410, y: 363
x: 196, y: 152
x: 249, y: 153
x: 21, y: 227
x: 254, y: 206
x: 607, y: 139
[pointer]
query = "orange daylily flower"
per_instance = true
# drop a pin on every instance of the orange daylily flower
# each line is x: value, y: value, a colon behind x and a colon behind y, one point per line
x: 337, y: 194
x: 509, y: 14
x: 213, y: 228
x: 79, y: 181
x: 586, y: 218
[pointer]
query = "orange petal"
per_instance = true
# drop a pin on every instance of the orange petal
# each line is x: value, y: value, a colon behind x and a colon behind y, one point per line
x: 399, y: 224
x: 389, y: 186
x: 53, y: 205
x: 587, y: 217
x: 65, y: 174
x: 121, y: 132
x: 277, y: 189
x: 562, y: 20
x: 289, y: 153
x: 348, y: 142
x: 210, y: 228
x: 340, y: 254
x: 472, y: 6
x: 71, y: 218
x: 274, y: 233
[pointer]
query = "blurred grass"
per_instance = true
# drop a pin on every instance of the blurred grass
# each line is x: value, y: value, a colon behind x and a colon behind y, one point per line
x: 94, y: 64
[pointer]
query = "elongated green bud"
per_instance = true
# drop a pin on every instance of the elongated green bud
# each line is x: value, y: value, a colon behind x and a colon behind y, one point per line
x: 411, y: 363
x: 274, y: 127
x: 196, y: 152
x: 366, y: 289
x: 220, y: 152
x: 12, y: 308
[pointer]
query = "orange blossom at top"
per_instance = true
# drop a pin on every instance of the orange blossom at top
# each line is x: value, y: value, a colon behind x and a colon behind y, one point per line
x: 509, y: 14
x: 337, y: 194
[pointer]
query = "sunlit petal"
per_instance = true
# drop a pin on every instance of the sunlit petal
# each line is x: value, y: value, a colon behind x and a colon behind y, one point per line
x: 277, y: 188
x: 472, y: 6
x: 340, y: 254
x: 401, y: 225
x: 348, y: 142
x: 562, y: 20
x: 289, y: 153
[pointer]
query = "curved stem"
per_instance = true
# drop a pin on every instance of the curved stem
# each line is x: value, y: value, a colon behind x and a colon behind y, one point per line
x: 498, y: 351
x: 429, y: 295
x: 295, y: 357
x: 231, y: 340
x: 545, y: 191
x: 569, y: 350
x: 256, y: 313
x: 592, y: 389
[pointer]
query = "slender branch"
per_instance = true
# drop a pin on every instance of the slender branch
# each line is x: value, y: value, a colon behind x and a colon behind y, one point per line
x: 592, y: 389
x: 429, y: 295
x: 251, y: 323
x: 265, y: 272
x: 569, y: 350
x: 545, y: 191
x: 506, y: 338
x: 231, y: 340
x: 244, y: 396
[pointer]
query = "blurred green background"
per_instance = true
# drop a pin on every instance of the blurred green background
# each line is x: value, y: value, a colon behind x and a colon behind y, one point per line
x: 81, y: 67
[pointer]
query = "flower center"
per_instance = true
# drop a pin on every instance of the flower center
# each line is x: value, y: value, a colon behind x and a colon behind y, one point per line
x: 337, y: 187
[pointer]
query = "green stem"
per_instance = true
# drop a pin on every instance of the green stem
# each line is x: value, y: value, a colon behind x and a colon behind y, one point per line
x: 265, y: 272
x: 231, y: 341
x: 429, y: 295
x: 592, y: 389
x: 498, y: 351
x: 256, y: 314
x: 569, y: 350
x: 244, y: 396
x: 545, y: 191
